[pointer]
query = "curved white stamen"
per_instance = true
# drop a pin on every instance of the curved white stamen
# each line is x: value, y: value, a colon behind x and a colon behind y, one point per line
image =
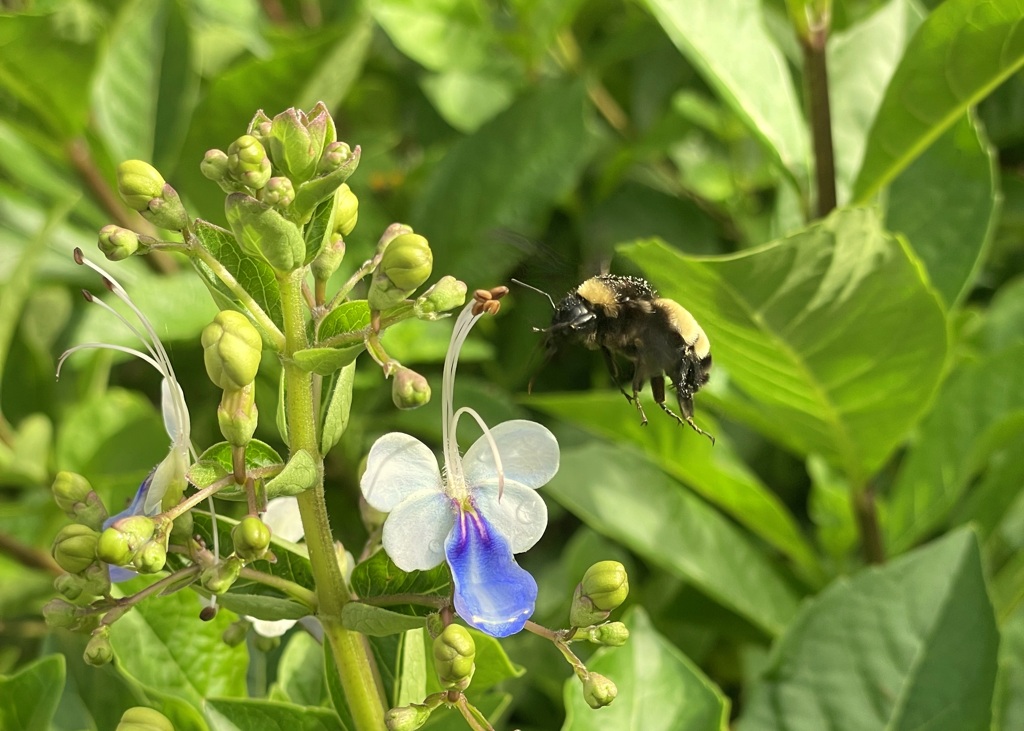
x: 104, y: 346
x: 490, y: 441
x: 453, y: 464
x: 134, y: 331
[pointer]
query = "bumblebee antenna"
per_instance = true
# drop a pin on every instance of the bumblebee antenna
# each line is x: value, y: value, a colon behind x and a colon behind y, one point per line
x: 540, y: 291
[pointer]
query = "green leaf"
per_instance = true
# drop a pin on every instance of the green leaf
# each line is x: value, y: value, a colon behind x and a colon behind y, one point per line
x: 28, y: 699
x: 261, y: 461
x: 659, y: 687
x: 467, y: 99
x: 1009, y: 704
x: 253, y: 275
x: 620, y: 495
x: 861, y: 60
x: 946, y: 202
x: 337, y: 407
x: 243, y: 715
x: 299, y: 474
x: 911, y: 645
x: 756, y: 83
x: 508, y: 173
x: 980, y: 407
x: 300, y: 672
x: 317, y: 231
x: 162, y: 643
x: 961, y: 52
x: 348, y: 317
x: 377, y: 577
x: 794, y: 326
x: 714, y: 472
x: 375, y: 621
x: 326, y: 361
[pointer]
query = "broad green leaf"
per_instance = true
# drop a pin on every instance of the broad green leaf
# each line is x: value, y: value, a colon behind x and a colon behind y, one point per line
x: 29, y: 698
x: 961, y: 52
x: 336, y: 408
x: 861, y: 60
x: 979, y: 408
x: 411, y: 669
x: 795, y: 327
x: 347, y: 317
x: 299, y: 474
x: 946, y: 202
x: 326, y: 361
x: 25, y: 463
x: 714, y: 472
x: 242, y: 715
x: 378, y: 577
x: 756, y: 83
x: 1003, y: 325
x: 467, y: 99
x: 992, y: 496
x: 506, y: 174
x: 300, y: 672
x: 162, y: 643
x: 261, y: 462
x: 830, y: 507
x: 620, y: 495
x: 1007, y: 584
x: 1008, y: 709
x: 253, y: 275
x: 145, y: 67
x: 660, y: 689
x: 373, y: 621
x: 907, y: 646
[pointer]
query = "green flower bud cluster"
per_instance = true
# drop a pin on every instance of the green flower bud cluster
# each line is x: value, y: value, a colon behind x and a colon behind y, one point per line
x: 118, y: 243
x: 75, y: 496
x: 405, y: 265
x: 232, y: 350
x: 137, y: 541
x: 143, y: 189
x: 454, y: 657
x: 251, y: 538
x: 141, y: 718
x: 604, y: 587
x: 75, y: 547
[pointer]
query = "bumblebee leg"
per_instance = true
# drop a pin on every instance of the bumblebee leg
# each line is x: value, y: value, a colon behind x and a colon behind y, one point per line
x: 613, y: 371
x: 686, y: 406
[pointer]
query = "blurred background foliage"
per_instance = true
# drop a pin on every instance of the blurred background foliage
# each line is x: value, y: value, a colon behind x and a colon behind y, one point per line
x: 863, y: 381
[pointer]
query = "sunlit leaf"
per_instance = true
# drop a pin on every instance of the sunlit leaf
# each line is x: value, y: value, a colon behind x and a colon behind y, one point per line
x: 29, y: 698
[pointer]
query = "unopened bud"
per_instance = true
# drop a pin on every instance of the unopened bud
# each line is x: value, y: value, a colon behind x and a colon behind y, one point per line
x: 446, y: 294
x: 237, y: 415
x: 598, y: 691
x: 603, y: 588
x: 248, y: 162
x: 279, y: 192
x: 232, y: 349
x: 405, y: 265
x: 118, y: 243
x: 454, y: 655
x: 339, y: 161
x: 611, y: 634
x: 99, y: 651
x: 119, y: 543
x: 329, y: 259
x: 335, y: 155
x: 138, y: 182
x: 251, y: 538
x: 151, y: 558
x: 219, y: 578
x: 214, y: 165
x: 259, y: 126
x: 61, y: 614
x: 409, y: 390
x: 167, y: 211
x: 407, y: 718
x: 292, y: 146
x: 75, y: 496
x: 74, y: 548
x: 235, y: 633
x: 346, y: 210
x: 141, y: 718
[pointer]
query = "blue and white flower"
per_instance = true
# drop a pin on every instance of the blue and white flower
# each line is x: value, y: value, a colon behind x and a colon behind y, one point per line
x: 475, y: 515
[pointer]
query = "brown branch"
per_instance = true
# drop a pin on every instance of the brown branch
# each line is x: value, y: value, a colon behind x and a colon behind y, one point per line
x: 28, y: 556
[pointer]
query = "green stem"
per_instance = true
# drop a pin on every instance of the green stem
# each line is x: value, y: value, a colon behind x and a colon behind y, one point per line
x: 356, y: 669
x: 866, y: 510
x: 290, y: 588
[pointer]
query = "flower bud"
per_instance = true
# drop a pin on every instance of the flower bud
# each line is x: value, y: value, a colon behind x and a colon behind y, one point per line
x: 598, y: 691
x: 321, y: 127
x: 409, y: 390
x: 232, y: 349
x: 292, y: 147
x: 138, y: 182
x: 346, y: 210
x: 279, y: 192
x: 454, y: 655
x: 74, y: 548
x: 141, y: 718
x: 238, y: 416
x: 61, y: 614
x: 215, y: 165
x: 603, y: 588
x: 259, y: 126
x: 75, y: 496
x: 338, y: 163
x: 99, y: 651
x: 335, y: 155
x: 234, y: 633
x: 446, y: 294
x: 391, y: 233
x: 248, y: 162
x: 119, y: 543
x: 251, y: 538
x: 407, y: 718
x: 329, y: 259
x: 151, y: 558
x: 118, y: 243
x: 405, y: 265
x: 94, y: 581
x: 263, y: 232
x: 611, y: 634
x: 219, y: 577
x: 167, y: 211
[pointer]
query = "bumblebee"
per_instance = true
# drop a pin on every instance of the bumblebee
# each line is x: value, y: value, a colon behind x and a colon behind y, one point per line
x: 625, y: 316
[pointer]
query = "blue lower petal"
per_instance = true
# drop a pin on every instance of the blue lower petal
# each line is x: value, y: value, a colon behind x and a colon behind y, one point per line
x: 135, y: 508
x: 119, y: 574
x: 492, y: 593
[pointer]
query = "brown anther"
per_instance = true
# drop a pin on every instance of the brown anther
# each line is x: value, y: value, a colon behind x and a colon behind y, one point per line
x: 208, y: 613
x: 88, y: 295
x: 486, y: 300
x: 499, y: 292
x: 79, y: 256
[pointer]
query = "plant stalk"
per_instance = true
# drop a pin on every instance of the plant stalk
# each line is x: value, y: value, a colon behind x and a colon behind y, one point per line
x: 866, y: 510
x: 820, y: 112
x: 356, y: 668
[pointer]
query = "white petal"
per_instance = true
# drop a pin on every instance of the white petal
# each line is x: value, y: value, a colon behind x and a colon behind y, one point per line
x: 283, y: 519
x: 169, y: 475
x: 398, y: 466
x: 529, y: 455
x: 520, y: 515
x: 271, y: 628
x: 176, y: 417
x: 415, y: 531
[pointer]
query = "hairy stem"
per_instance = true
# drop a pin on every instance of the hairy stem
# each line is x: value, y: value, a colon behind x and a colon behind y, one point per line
x: 355, y: 666
x: 290, y: 588
x: 820, y: 112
